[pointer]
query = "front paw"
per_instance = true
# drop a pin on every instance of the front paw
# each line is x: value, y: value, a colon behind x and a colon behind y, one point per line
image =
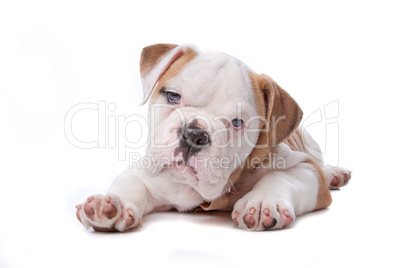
x: 260, y: 213
x: 108, y: 213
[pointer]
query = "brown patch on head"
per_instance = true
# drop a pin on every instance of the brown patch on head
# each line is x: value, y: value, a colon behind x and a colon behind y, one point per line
x: 151, y: 55
x: 157, y: 60
x: 173, y: 71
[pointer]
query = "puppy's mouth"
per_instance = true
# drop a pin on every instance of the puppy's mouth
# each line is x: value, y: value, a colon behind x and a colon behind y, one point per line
x: 182, y: 167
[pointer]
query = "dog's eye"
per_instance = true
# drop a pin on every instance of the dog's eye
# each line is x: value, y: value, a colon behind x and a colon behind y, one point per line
x: 173, y: 97
x: 237, y: 123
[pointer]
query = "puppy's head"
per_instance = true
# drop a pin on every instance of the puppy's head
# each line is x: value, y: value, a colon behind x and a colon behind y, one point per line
x: 211, y: 117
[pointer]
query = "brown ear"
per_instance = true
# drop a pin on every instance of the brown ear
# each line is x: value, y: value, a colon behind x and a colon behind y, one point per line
x: 281, y: 116
x: 155, y: 61
x: 282, y: 113
x: 151, y: 55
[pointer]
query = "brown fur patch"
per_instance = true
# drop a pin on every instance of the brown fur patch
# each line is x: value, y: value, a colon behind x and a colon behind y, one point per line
x: 173, y: 71
x: 260, y: 153
x: 296, y: 143
x: 151, y: 55
x: 272, y: 103
x: 324, y: 198
x: 284, y: 114
x: 278, y: 108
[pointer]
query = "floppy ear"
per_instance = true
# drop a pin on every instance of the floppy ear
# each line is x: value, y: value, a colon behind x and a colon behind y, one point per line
x: 282, y: 113
x: 155, y: 61
x: 281, y: 116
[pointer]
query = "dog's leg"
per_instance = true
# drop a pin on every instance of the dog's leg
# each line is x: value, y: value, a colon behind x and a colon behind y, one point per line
x: 336, y: 177
x: 120, y: 209
x: 279, y: 196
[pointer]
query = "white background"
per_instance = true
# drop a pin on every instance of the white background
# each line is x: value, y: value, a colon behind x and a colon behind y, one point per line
x: 55, y: 55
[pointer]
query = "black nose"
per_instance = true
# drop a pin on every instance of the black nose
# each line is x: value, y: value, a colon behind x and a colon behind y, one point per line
x: 192, y: 140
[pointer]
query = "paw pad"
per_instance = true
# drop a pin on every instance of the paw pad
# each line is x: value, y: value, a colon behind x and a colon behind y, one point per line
x: 249, y: 218
x: 336, y: 177
x: 268, y: 222
x: 88, y: 208
x: 262, y: 215
x: 287, y: 219
x: 335, y: 181
x: 106, y: 214
x: 109, y: 210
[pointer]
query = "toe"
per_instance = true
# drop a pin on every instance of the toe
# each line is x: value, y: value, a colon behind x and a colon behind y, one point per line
x: 286, y: 217
x: 88, y: 208
x: 130, y: 218
x: 109, y: 210
x: 267, y: 221
x: 335, y: 181
x: 249, y: 218
x: 346, y: 176
x: 269, y: 224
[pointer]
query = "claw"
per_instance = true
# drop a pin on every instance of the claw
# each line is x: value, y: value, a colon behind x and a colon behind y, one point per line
x: 252, y: 211
x: 266, y: 212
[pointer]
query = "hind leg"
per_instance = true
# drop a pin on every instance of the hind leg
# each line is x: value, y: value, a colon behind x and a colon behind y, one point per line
x: 336, y: 177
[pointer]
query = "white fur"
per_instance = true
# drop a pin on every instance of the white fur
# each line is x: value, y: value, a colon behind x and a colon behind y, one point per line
x: 202, y: 90
x: 293, y: 187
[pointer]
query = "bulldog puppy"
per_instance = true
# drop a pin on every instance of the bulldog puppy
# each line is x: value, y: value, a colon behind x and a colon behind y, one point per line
x: 221, y: 138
